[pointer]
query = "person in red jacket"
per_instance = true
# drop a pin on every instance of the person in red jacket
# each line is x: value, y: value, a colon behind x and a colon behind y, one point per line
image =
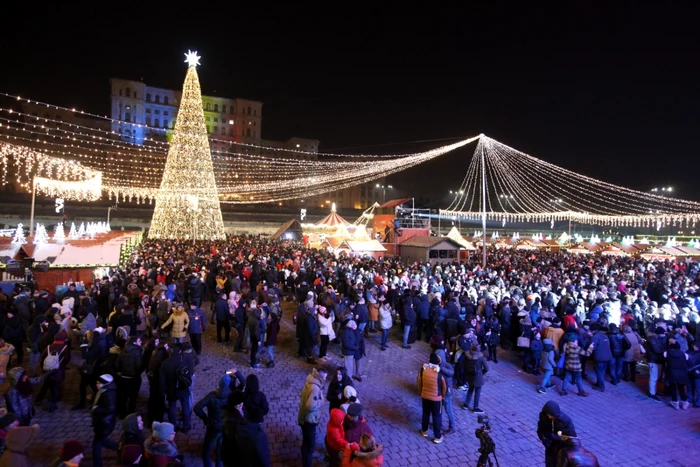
x: 368, y: 453
x: 335, y: 437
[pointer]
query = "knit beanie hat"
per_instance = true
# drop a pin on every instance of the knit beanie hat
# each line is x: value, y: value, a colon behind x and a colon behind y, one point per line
x: 162, y: 431
x: 70, y: 449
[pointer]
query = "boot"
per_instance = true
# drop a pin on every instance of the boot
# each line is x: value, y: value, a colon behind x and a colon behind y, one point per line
x: 684, y: 405
x: 674, y: 404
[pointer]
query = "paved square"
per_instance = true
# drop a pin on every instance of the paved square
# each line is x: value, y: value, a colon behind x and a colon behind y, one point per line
x: 621, y: 426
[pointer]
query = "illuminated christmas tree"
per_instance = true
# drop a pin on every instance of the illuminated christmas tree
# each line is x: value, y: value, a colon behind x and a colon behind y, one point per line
x: 19, y: 238
x: 187, y: 205
x: 40, y: 236
x: 73, y: 234
x: 81, y: 230
x: 59, y: 235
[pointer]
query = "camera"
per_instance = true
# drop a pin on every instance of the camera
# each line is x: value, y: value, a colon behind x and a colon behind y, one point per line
x: 487, y: 447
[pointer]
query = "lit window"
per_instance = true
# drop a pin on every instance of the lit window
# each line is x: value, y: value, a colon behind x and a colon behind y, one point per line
x: 208, y: 106
x: 230, y: 122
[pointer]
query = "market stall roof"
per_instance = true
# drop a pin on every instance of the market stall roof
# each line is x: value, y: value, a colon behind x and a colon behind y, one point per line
x: 613, y: 250
x: 365, y: 246
x: 425, y: 241
x: 394, y: 203
x: 291, y: 225
x: 687, y: 250
x: 332, y: 220
x: 457, y: 237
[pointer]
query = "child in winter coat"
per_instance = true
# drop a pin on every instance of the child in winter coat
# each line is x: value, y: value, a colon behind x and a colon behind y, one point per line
x: 335, y: 437
x: 536, y: 351
x: 548, y: 365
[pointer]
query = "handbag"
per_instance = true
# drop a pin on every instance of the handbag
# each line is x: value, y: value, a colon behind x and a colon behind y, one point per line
x: 523, y: 342
x: 87, y: 368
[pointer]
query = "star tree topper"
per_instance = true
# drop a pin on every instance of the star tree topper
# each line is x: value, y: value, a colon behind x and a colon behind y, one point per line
x: 191, y: 58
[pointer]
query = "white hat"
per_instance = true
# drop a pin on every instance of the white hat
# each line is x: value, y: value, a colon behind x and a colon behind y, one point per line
x: 106, y: 379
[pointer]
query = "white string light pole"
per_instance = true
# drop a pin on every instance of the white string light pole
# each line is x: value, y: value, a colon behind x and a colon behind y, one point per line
x: 31, y: 214
x: 483, y: 202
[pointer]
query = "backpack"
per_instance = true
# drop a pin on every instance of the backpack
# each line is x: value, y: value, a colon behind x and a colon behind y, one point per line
x: 53, y: 360
x: 469, y: 366
x: 184, y: 376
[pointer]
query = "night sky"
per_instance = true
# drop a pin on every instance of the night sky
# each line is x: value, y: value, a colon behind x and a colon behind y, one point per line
x: 611, y: 92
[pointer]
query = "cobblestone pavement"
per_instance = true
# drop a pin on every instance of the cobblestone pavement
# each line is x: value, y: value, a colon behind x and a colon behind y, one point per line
x: 621, y: 426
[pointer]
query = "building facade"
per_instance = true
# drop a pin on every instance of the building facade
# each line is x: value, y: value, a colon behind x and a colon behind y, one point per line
x: 141, y: 112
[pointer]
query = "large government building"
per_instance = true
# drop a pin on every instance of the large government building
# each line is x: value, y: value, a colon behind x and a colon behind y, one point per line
x: 234, y: 125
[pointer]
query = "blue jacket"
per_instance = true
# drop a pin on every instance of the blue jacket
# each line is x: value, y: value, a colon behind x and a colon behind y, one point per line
x: 601, y: 347
x: 348, y: 338
x: 198, y: 323
x: 424, y: 307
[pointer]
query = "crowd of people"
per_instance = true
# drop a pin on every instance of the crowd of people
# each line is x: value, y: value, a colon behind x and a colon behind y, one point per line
x: 570, y: 317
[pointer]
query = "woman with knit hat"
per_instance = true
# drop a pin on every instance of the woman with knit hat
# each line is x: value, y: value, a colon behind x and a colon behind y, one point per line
x: 160, y: 448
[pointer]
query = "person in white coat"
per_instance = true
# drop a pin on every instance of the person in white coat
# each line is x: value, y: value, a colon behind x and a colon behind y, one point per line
x: 325, y: 329
x: 385, y: 320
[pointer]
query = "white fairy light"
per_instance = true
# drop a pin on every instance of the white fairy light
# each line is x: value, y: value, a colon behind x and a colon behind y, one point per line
x: 41, y: 237
x: 73, y: 233
x: 59, y: 234
x: 19, y: 238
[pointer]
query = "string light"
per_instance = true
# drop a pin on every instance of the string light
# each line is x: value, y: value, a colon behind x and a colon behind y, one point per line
x: 539, y: 191
x: 142, y: 166
x: 187, y: 206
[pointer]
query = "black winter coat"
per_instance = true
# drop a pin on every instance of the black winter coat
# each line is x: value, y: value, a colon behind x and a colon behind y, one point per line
x: 130, y: 361
x: 169, y: 379
x: 214, y: 402
x: 104, y: 412
x: 221, y: 310
x: 617, y: 344
x: 409, y: 313
x: 252, y: 445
